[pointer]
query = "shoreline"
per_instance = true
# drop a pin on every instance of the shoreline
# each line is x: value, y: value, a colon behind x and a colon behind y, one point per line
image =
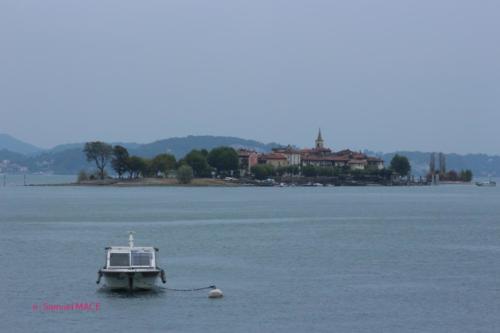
x: 147, y: 182
x: 210, y: 182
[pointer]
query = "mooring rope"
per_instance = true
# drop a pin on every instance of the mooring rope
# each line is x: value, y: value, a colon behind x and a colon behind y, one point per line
x: 193, y: 289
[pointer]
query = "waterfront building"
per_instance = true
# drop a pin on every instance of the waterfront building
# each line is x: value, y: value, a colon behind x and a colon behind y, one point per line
x: 275, y: 159
x: 318, y: 156
x: 375, y: 162
x: 321, y: 156
x: 292, y: 154
x: 247, y: 159
x: 356, y: 164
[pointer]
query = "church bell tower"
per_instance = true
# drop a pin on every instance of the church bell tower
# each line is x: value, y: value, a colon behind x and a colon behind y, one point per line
x: 319, y: 141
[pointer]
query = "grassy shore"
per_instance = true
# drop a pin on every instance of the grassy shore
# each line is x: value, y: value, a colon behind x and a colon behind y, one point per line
x: 155, y: 182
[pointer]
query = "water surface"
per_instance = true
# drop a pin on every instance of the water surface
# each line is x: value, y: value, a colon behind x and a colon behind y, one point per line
x: 372, y: 259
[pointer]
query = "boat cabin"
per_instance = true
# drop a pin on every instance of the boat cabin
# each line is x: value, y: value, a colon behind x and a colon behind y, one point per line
x: 130, y: 257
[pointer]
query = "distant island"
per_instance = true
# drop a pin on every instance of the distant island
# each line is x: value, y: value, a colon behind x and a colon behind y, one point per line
x: 24, y: 158
x: 283, y: 166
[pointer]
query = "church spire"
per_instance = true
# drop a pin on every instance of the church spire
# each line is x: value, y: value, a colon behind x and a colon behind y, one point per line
x: 319, y: 140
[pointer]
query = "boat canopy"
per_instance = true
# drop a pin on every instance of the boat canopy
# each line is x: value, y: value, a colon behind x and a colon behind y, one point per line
x: 118, y: 257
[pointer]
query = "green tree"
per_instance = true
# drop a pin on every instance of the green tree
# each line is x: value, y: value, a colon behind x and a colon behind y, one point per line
x: 293, y: 169
x: 162, y: 164
x: 223, y: 159
x: 184, y: 174
x: 280, y: 171
x: 180, y: 163
x: 325, y: 171
x: 198, y: 162
x: 466, y: 175
x: 136, y: 166
x: 401, y: 165
x: 119, y: 160
x: 262, y: 171
x: 358, y: 173
x: 309, y: 171
x: 145, y: 167
x: 148, y: 170
x: 337, y: 171
x: 100, y: 153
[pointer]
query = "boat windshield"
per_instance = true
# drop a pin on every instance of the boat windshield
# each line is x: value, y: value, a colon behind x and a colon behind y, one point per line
x: 141, y: 258
x: 119, y: 259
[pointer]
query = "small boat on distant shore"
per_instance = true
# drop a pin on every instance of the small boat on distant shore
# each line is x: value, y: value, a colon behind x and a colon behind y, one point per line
x: 489, y: 183
x: 131, y: 268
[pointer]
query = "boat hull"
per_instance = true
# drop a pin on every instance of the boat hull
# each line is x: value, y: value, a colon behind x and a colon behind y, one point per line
x: 131, y: 280
x: 487, y: 184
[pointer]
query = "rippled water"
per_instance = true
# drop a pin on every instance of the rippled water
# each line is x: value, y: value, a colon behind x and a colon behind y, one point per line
x: 287, y: 259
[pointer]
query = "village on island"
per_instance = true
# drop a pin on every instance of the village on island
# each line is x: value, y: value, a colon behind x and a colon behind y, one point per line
x: 283, y: 166
x: 293, y: 165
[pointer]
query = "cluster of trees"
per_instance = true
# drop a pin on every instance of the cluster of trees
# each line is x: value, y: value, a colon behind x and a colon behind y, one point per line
x: 401, y: 165
x: 452, y: 175
x: 466, y: 175
x: 103, y: 154
x: 262, y: 171
x: 463, y: 175
x: 197, y: 163
x: 313, y: 171
x: 221, y: 160
x: 265, y: 171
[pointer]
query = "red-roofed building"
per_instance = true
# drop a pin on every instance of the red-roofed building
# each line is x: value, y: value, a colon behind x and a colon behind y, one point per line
x: 375, y: 162
x: 247, y: 159
x: 274, y: 159
x: 292, y: 154
x: 324, y: 157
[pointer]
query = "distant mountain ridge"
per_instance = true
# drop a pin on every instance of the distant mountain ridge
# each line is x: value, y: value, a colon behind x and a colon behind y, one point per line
x: 80, y: 145
x: 180, y: 146
x: 12, y: 144
x: 69, y: 158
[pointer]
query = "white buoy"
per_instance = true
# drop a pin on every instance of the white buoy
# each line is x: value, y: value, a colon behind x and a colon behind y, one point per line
x: 215, y: 293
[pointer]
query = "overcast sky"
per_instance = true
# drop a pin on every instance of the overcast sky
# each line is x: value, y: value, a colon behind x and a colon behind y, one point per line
x: 381, y: 75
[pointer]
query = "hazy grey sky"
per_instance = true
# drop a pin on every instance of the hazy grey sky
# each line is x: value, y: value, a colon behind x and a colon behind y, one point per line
x: 381, y: 75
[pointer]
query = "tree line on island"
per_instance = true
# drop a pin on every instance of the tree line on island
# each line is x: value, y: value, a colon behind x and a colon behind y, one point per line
x: 202, y: 163
x: 221, y: 162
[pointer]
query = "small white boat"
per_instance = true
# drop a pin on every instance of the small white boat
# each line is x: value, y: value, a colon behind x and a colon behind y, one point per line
x: 488, y: 183
x: 131, y: 268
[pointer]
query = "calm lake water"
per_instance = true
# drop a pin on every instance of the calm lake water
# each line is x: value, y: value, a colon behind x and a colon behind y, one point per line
x: 371, y: 259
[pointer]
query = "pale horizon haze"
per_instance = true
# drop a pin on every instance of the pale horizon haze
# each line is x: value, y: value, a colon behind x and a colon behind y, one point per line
x: 378, y: 75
